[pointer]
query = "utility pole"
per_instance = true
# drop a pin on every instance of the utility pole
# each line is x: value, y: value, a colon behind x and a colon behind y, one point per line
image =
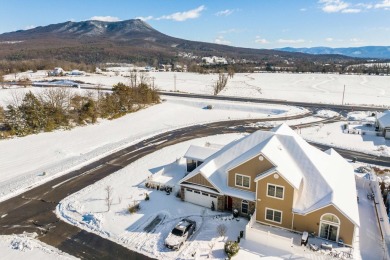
x: 174, y: 82
x: 342, y: 102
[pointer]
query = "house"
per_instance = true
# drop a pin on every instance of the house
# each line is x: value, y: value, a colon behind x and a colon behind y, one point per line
x: 280, y: 179
x: 382, y: 123
x: 56, y: 72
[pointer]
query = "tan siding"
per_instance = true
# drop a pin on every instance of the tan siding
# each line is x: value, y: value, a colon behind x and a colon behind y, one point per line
x: 199, y: 179
x: 285, y: 205
x: 311, y: 223
x: 251, y: 168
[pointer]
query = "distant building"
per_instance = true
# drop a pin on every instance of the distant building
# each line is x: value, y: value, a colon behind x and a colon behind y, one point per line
x: 56, y: 72
x: 214, y: 60
x: 382, y: 123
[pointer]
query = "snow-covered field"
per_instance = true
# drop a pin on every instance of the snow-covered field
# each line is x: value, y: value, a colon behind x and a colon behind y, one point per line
x: 322, y: 88
x: 24, y: 160
x: 87, y: 209
x: 26, y: 247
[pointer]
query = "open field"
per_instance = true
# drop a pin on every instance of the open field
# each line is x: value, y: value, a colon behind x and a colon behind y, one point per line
x: 315, y: 87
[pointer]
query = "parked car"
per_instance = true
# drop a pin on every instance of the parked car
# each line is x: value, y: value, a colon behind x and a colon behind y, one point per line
x: 181, y: 232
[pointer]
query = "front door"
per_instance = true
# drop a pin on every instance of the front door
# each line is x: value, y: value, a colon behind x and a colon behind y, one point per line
x: 229, y: 203
x: 329, y: 231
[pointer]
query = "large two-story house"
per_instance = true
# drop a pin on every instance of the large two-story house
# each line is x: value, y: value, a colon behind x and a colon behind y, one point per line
x: 280, y: 179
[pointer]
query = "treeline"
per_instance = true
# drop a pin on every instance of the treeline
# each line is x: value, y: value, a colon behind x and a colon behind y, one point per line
x: 62, y: 108
x: 8, y: 67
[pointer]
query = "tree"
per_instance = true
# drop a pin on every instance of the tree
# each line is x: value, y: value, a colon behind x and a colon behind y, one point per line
x: 221, y: 83
x: 108, y: 199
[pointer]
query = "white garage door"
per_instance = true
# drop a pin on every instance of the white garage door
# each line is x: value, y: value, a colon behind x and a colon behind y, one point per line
x: 200, y: 198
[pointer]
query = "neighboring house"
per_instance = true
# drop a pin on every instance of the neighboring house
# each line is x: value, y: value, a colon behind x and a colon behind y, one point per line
x: 56, y: 72
x: 280, y: 179
x: 382, y: 123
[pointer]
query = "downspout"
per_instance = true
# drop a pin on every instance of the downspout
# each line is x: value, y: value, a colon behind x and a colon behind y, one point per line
x: 292, y: 224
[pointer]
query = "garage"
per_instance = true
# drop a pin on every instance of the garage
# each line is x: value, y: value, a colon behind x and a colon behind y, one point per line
x: 200, y: 198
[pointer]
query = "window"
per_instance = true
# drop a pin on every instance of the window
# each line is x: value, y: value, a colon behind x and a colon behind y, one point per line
x: 273, y: 215
x: 275, y: 191
x: 242, y: 181
x: 189, y: 190
x: 205, y: 194
x: 244, y: 207
x: 197, y: 192
x: 329, y: 227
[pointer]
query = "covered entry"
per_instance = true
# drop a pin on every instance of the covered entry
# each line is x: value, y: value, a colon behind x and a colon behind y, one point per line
x: 200, y: 198
x: 329, y: 227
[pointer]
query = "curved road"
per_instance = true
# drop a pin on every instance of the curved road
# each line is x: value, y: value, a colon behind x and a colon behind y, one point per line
x: 33, y: 211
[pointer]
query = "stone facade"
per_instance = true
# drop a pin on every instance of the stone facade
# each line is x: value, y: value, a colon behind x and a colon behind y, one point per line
x: 221, y: 203
x: 236, y: 204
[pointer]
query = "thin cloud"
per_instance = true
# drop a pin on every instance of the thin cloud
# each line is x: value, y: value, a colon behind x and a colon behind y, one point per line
x: 303, y: 9
x: 146, y: 18
x: 226, y: 12
x: 221, y: 40
x: 182, y: 16
x: 260, y: 40
x: 28, y: 27
x: 384, y: 4
x: 329, y: 39
x: 291, y: 41
x: 333, y: 6
x: 105, y: 18
x: 351, y: 11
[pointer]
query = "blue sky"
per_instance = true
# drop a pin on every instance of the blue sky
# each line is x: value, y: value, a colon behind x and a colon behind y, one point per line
x: 243, y: 23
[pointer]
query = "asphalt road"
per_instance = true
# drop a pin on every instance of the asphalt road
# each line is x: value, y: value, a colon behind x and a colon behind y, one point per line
x: 315, y: 106
x: 33, y: 211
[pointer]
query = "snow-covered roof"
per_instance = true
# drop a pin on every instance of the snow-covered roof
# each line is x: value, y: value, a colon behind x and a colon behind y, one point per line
x: 200, y: 153
x: 384, y: 118
x: 321, y: 178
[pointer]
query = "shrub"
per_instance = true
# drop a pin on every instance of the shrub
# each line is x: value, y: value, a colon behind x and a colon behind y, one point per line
x: 231, y: 248
x: 134, y: 208
x: 147, y: 196
x: 221, y: 230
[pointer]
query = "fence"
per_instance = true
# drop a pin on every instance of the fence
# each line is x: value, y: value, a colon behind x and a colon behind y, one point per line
x: 253, y: 232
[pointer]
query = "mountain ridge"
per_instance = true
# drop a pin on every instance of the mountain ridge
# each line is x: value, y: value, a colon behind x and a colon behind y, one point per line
x: 132, y: 40
x: 373, y: 52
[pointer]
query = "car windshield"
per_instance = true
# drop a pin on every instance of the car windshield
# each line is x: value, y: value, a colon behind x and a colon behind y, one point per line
x: 177, y: 232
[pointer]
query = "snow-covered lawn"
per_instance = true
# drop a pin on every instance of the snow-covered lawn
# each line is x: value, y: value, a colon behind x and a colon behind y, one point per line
x: 87, y: 209
x: 26, y: 247
x: 322, y: 88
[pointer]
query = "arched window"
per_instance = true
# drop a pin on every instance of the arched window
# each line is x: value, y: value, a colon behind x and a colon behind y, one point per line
x: 329, y: 227
x: 244, y: 207
x: 330, y: 218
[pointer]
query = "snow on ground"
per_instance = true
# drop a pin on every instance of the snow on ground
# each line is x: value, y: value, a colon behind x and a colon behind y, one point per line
x: 36, y: 158
x: 26, y: 247
x: 324, y: 113
x: 87, y: 208
x: 332, y: 134
x: 146, y: 230
x: 315, y: 87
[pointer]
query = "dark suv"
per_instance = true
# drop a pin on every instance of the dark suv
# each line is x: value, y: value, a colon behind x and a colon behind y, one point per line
x: 182, y: 231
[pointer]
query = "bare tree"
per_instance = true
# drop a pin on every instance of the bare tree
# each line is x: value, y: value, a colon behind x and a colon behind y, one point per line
x: 108, y: 198
x: 221, y: 83
x: 221, y: 230
x: 57, y: 97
